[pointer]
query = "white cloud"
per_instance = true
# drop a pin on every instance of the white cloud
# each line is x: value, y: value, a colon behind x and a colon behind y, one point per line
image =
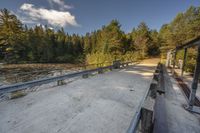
x: 60, y: 3
x: 26, y: 6
x: 53, y: 17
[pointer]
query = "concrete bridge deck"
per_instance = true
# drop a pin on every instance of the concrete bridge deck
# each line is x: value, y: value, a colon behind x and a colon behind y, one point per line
x: 170, y: 114
x: 187, y: 78
x: 104, y: 103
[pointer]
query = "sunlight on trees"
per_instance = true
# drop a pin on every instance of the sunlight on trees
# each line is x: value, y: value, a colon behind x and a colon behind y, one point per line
x: 20, y: 44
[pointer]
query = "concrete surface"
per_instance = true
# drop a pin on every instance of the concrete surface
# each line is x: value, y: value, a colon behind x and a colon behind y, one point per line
x: 171, y: 117
x: 187, y: 78
x: 103, y: 103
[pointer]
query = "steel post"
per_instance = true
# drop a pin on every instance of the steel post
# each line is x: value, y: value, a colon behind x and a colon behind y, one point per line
x: 195, y: 81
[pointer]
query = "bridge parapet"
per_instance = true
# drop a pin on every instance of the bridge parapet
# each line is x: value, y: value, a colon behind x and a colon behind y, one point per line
x: 143, y: 120
x: 172, y: 55
x: 60, y: 79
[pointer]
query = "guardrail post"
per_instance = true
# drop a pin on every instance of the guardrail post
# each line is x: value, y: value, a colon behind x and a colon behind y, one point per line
x: 111, y: 67
x: 100, y: 71
x: 153, y: 88
x: 147, y: 115
x: 60, y: 82
x: 116, y: 64
x: 85, y: 75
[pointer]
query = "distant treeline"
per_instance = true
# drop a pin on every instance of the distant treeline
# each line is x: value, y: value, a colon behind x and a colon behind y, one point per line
x: 18, y: 43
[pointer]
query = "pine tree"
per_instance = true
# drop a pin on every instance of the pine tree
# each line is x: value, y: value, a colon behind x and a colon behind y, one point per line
x: 10, y: 34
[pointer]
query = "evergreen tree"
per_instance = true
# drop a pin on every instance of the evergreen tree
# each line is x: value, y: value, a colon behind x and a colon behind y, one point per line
x: 10, y: 34
x: 141, y: 37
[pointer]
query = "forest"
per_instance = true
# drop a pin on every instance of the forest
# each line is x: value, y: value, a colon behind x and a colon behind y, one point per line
x: 42, y: 44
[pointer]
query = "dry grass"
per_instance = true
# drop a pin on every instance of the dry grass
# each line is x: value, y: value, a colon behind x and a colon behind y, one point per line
x: 18, y: 68
x: 13, y: 73
x: 17, y: 94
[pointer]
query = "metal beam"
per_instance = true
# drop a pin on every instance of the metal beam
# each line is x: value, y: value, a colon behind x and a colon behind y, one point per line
x: 135, y: 121
x: 195, y: 81
x: 192, y: 43
x: 29, y: 84
x: 151, y: 92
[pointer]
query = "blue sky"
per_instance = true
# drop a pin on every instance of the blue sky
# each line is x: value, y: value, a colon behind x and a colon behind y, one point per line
x: 81, y: 16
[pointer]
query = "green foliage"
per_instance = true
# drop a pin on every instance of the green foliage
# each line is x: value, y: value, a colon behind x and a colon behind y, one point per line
x: 96, y: 58
x: 11, y: 33
x: 191, y: 60
x: 112, y: 38
x: 38, y: 44
x: 18, y: 43
x: 112, y: 43
x: 132, y: 56
x: 184, y: 27
x: 146, y: 41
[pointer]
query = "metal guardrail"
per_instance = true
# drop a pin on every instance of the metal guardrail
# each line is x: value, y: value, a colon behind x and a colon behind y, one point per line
x: 194, y: 86
x: 17, y: 77
x: 151, y: 92
x: 136, y: 118
x: 29, y: 84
